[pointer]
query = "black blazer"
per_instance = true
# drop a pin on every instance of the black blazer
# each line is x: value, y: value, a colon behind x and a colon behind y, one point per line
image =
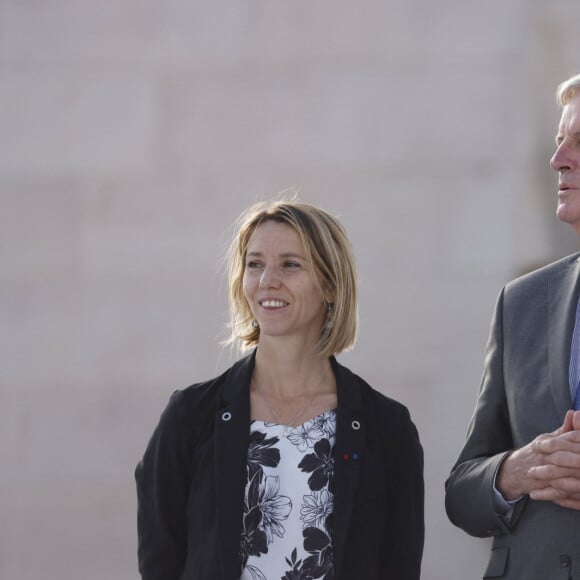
x: 191, y: 481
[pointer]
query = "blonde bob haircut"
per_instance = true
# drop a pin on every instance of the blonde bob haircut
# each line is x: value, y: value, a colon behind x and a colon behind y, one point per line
x: 567, y: 90
x: 328, y: 250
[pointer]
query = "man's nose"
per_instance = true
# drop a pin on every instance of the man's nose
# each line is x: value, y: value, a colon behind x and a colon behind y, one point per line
x: 560, y: 160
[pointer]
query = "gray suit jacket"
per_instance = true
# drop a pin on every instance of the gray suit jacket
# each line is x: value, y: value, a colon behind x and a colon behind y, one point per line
x: 524, y: 392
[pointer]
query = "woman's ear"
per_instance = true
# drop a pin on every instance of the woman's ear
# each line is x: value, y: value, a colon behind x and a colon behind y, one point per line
x: 327, y: 293
x: 328, y: 296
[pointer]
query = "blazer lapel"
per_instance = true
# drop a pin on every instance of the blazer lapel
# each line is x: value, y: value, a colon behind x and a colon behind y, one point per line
x: 232, y: 429
x: 563, y: 298
x: 349, y: 453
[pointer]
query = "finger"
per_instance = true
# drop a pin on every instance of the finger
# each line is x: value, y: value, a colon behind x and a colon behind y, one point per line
x: 575, y: 419
x: 569, y: 441
x: 569, y: 459
x: 567, y: 424
x: 551, y: 493
x: 546, y: 494
x: 557, y: 494
x: 573, y: 504
x: 551, y: 473
x: 563, y: 488
x: 566, y: 485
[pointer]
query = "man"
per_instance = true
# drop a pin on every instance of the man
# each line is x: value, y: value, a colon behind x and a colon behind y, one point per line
x: 518, y: 476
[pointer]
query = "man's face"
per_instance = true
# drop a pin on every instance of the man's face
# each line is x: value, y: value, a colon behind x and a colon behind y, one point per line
x: 566, y: 161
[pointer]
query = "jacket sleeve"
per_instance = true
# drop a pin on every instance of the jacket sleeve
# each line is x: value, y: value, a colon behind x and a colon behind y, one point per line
x: 162, y: 478
x: 402, y: 549
x: 469, y: 499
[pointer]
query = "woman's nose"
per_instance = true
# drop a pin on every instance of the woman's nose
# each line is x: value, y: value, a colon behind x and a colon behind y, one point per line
x: 269, y: 278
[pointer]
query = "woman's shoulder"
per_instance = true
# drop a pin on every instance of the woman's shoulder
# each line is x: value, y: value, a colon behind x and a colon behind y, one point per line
x: 370, y: 398
x: 389, y: 413
x: 199, y: 391
x: 210, y: 393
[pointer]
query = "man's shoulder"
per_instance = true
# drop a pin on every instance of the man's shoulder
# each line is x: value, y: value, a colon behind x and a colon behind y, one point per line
x: 543, y: 275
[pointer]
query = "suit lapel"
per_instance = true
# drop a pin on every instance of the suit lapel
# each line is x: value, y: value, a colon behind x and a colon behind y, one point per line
x: 232, y: 429
x: 563, y: 298
x: 349, y: 453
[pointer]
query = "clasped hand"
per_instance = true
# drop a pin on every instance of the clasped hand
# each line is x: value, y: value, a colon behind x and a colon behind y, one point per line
x: 547, y: 468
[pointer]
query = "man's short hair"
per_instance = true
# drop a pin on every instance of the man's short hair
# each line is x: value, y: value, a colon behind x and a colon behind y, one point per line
x: 568, y: 89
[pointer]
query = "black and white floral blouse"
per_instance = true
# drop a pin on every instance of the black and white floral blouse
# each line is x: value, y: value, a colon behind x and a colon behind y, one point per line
x: 288, y: 503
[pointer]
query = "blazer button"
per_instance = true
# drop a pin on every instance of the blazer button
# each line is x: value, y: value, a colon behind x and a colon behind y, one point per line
x: 565, y: 561
x: 355, y: 425
x: 226, y: 416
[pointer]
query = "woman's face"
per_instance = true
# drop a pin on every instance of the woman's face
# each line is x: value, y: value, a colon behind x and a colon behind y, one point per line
x: 280, y: 286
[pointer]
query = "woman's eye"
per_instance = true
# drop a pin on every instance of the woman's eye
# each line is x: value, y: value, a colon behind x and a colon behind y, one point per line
x: 291, y: 265
x: 252, y: 264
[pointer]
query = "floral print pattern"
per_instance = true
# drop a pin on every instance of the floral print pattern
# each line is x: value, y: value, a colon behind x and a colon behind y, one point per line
x: 316, y: 508
x: 261, y: 452
x: 320, y: 464
x: 305, y: 436
x: 288, y: 502
x: 318, y: 544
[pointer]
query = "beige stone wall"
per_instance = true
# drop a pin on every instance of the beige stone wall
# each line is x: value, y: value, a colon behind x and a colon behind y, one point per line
x: 131, y: 136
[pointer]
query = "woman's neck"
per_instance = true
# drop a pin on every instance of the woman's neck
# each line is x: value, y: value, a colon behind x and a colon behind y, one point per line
x: 291, y: 372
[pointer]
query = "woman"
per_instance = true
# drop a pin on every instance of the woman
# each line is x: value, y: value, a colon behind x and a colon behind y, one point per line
x: 287, y: 466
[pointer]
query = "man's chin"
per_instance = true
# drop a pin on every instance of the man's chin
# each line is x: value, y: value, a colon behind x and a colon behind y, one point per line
x: 572, y: 221
x: 569, y: 215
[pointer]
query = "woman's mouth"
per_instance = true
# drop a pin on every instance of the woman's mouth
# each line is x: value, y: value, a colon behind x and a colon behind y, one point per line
x: 270, y: 303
